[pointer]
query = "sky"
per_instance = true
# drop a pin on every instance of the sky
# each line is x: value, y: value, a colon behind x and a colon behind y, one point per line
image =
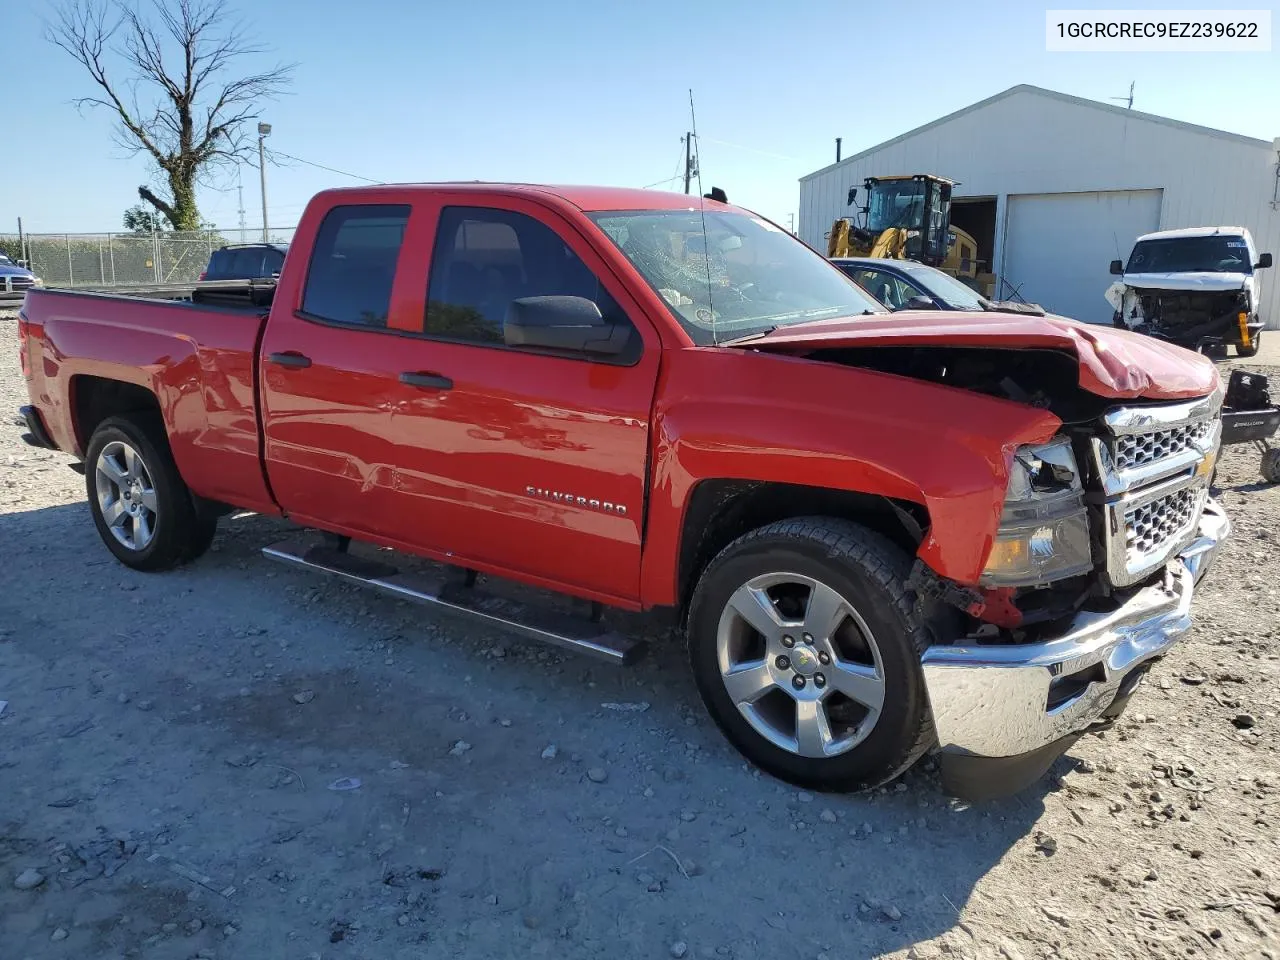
x: 563, y: 91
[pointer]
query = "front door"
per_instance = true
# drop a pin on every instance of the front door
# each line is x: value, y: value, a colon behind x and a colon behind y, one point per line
x: 513, y: 459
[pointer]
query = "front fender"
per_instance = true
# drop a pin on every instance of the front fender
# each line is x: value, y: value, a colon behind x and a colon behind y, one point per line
x: 741, y: 415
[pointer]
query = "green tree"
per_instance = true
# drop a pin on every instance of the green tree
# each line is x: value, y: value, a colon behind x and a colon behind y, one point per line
x: 171, y: 72
x: 141, y: 220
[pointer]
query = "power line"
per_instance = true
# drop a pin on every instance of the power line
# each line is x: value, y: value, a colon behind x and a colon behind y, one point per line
x: 675, y: 176
x: 763, y: 153
x: 659, y: 183
x: 321, y: 166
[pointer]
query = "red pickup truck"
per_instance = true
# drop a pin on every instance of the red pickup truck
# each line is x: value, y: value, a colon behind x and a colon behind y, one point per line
x: 882, y: 534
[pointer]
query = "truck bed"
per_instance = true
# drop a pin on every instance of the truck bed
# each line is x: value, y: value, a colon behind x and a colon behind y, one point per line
x: 198, y: 359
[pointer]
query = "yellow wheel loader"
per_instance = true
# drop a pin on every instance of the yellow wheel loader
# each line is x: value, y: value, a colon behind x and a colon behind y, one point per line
x: 908, y: 217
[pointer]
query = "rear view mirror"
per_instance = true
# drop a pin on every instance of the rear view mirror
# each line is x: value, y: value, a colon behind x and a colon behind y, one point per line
x: 571, y: 324
x: 1264, y: 261
x: 1117, y: 267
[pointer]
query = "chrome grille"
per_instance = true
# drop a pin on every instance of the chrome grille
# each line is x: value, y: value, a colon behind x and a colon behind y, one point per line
x: 1153, y: 464
x: 1136, y: 450
x: 1149, y: 527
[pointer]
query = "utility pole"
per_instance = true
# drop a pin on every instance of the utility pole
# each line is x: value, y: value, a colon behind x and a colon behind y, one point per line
x: 1128, y: 100
x: 22, y: 246
x: 264, y: 130
x: 791, y: 223
x: 240, y: 194
x: 688, y: 160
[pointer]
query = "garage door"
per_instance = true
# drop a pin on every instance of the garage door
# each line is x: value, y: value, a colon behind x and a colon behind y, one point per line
x: 1058, y: 246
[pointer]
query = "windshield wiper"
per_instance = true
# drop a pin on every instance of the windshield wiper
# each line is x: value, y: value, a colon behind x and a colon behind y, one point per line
x: 753, y: 335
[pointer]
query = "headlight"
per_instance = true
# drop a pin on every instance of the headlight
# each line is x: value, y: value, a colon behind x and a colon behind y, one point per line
x: 1044, y: 530
x: 37, y: 282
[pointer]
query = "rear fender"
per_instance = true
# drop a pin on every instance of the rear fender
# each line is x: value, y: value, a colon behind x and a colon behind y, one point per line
x: 166, y: 365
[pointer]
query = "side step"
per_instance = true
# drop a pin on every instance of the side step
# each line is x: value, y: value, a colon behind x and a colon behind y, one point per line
x: 535, y: 623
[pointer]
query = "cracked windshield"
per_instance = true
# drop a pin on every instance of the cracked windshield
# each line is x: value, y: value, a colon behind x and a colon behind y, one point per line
x: 743, y: 276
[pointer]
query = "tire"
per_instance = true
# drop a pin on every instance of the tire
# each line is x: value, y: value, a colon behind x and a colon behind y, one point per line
x: 880, y: 635
x: 1254, y: 346
x: 156, y: 526
x: 1271, y: 465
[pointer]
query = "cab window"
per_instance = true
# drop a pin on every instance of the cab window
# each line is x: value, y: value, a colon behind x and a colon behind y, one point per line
x: 484, y: 258
x: 353, y: 264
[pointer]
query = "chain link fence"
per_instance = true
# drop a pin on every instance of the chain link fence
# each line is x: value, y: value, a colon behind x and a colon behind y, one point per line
x: 125, y: 259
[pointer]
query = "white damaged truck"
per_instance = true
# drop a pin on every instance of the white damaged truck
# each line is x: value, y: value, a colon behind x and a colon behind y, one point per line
x: 1196, y: 287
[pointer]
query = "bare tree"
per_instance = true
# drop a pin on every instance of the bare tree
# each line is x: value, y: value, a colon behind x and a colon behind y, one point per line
x: 169, y: 71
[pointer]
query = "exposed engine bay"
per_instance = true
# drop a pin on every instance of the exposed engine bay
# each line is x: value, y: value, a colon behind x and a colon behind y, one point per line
x: 1188, y: 318
x: 1047, y: 379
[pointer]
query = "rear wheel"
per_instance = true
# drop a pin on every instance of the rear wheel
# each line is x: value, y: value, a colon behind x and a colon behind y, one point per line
x: 142, y: 509
x: 806, y: 647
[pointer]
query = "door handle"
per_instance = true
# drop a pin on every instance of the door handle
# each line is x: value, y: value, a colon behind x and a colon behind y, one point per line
x: 431, y: 380
x: 290, y: 358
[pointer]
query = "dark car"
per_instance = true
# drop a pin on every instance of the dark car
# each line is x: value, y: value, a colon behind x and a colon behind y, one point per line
x: 15, y: 280
x: 245, y: 261
x: 907, y: 285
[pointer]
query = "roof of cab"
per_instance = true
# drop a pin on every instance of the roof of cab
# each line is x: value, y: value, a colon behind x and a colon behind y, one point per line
x: 1195, y: 232
x: 586, y: 198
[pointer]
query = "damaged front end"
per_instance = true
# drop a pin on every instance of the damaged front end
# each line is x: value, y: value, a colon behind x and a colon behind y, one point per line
x: 1091, y: 561
x: 1194, y: 319
x: 1065, y: 644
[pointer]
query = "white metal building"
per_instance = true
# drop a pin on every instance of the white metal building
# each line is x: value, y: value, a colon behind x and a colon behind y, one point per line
x: 1054, y: 187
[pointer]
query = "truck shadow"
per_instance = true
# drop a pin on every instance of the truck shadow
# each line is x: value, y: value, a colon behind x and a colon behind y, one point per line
x: 678, y: 838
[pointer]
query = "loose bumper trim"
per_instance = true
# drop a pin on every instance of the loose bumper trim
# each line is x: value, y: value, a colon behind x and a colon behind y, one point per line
x: 36, y: 435
x: 1010, y: 701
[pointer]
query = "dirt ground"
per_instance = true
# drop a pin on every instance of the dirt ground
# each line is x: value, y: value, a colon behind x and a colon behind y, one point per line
x: 173, y: 746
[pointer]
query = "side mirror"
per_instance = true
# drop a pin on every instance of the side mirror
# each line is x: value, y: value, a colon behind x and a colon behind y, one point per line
x: 920, y: 302
x: 853, y: 195
x: 1117, y: 267
x: 570, y: 324
x: 1264, y: 261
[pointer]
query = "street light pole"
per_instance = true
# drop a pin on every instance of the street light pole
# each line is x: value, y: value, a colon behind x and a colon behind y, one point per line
x: 264, y: 130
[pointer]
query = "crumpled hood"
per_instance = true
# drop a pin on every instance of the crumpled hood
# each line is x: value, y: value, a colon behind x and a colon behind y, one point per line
x: 1203, y: 281
x: 1113, y: 363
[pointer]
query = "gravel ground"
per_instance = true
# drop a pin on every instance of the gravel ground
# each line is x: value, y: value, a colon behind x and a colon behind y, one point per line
x: 173, y: 748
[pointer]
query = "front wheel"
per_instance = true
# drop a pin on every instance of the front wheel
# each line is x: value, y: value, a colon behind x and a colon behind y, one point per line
x: 141, y: 507
x: 806, y: 646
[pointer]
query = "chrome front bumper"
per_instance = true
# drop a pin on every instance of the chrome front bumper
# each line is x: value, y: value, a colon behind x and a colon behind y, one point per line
x: 992, y: 701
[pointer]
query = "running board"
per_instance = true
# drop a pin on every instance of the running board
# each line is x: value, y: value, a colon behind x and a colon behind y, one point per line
x: 535, y: 623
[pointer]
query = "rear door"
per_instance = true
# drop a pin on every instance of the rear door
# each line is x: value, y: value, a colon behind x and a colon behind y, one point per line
x: 330, y: 369
x: 510, y: 458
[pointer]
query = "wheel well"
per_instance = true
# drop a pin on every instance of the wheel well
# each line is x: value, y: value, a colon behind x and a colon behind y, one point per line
x: 720, y: 511
x: 96, y: 398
